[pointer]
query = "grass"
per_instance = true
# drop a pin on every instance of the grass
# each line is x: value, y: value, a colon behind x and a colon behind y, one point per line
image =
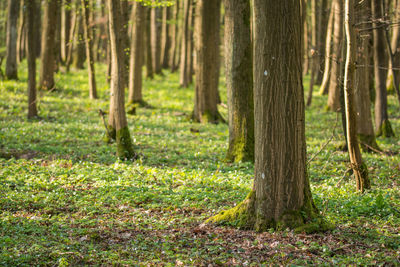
x: 67, y: 200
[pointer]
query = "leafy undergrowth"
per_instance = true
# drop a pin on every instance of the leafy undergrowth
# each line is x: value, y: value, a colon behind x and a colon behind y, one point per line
x: 67, y: 200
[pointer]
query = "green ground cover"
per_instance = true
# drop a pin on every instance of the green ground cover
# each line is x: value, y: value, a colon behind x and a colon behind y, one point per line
x: 67, y: 200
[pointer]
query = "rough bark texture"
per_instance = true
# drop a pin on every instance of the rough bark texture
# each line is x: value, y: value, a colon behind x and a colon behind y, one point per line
x: 360, y: 170
x: 365, y: 128
x: 184, y: 79
x: 136, y: 62
x: 31, y: 54
x: 11, y: 39
x: 174, y: 38
x: 117, y: 117
x: 239, y: 80
x: 149, y: 56
x: 334, y: 82
x: 47, y: 58
x: 207, y: 61
x: 88, y: 34
x: 382, y: 124
x: 156, y: 18
x: 281, y: 195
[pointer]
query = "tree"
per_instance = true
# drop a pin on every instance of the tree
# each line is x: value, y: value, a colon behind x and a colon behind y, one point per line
x: 281, y: 195
x: 327, y: 69
x: 239, y: 80
x: 174, y: 38
x: 79, y: 52
x: 11, y: 39
x: 31, y: 54
x: 65, y: 28
x: 166, y: 38
x: 156, y: 18
x: 207, y: 61
x: 360, y: 170
x: 136, y: 61
x: 88, y: 34
x: 118, y: 125
x: 47, y: 58
x: 184, y: 76
x: 149, y: 56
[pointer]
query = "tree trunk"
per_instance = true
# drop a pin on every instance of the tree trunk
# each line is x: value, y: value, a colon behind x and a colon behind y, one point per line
x: 70, y: 47
x: 79, y: 53
x: 136, y: 61
x: 11, y: 40
x: 306, y: 48
x: 382, y: 124
x: 190, y: 46
x: 88, y: 34
x: 334, y: 81
x: 395, y: 44
x: 117, y: 117
x: 166, y: 37
x: 31, y: 53
x: 323, y: 20
x: 184, y: 80
x: 149, y: 57
x: 21, y: 33
x: 314, y: 49
x: 360, y: 170
x: 47, y: 59
x: 239, y: 80
x: 156, y: 17
x: 65, y: 29
x: 281, y: 195
x: 174, y: 38
x: 328, y: 45
x: 38, y: 27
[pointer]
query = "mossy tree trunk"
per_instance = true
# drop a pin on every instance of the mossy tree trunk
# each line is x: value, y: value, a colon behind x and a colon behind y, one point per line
x: 207, y: 27
x: 136, y: 61
x: 382, y: 123
x: 31, y: 54
x: 117, y: 121
x: 365, y: 128
x: 88, y: 34
x: 174, y: 38
x: 359, y: 168
x: 47, y: 59
x: 183, y: 78
x: 239, y: 80
x: 281, y: 195
x: 334, y: 81
x: 156, y: 24
x: 11, y: 39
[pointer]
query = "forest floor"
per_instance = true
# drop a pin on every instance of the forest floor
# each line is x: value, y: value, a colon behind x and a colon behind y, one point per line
x: 67, y: 200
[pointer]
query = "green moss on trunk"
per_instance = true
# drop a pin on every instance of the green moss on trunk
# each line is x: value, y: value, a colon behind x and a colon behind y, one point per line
x: 368, y: 143
x: 385, y: 130
x: 240, y: 150
x: 110, y: 135
x: 125, y: 149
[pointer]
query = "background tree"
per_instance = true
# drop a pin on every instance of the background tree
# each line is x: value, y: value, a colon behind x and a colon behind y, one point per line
x: 184, y: 76
x: 239, y: 80
x: 31, y: 54
x: 174, y: 38
x: 156, y: 24
x: 149, y: 55
x: 11, y: 39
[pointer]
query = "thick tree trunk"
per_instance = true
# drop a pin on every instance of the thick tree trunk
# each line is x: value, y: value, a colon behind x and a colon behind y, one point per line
x: 239, y: 80
x: 47, y: 65
x: 88, y: 34
x: 382, y: 124
x: 174, y: 38
x: 136, y: 62
x: 207, y: 61
x: 156, y: 18
x: 281, y: 195
x: 11, y: 39
x: 117, y: 117
x: 149, y: 56
x: 166, y: 37
x: 328, y: 45
x: 184, y: 79
x: 334, y: 81
x: 31, y: 54
x: 360, y: 170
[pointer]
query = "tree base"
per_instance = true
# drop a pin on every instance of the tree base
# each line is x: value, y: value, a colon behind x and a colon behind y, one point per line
x: 125, y: 149
x: 111, y: 135
x: 208, y: 117
x: 368, y: 143
x: 240, y: 151
x: 385, y: 130
x: 131, y: 108
x: 243, y: 216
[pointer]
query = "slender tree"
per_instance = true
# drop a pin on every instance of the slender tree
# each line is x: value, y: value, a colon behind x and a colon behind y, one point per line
x: 65, y: 28
x: 156, y: 24
x: 239, y: 80
x: 31, y: 54
x: 118, y: 125
x: 281, y: 195
x: 184, y: 79
x: 88, y: 35
x: 79, y: 52
x: 21, y: 33
x: 149, y: 56
x: 174, y: 38
x: 11, y: 39
x: 207, y: 61
x: 166, y: 37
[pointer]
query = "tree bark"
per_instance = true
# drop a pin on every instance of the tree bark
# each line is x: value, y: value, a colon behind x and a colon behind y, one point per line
x: 328, y: 45
x: 79, y: 53
x: 166, y: 37
x: 184, y: 79
x: 360, y: 170
x: 47, y: 59
x: 156, y: 18
x: 149, y: 56
x: 190, y: 46
x: 31, y: 54
x: 70, y: 47
x: 382, y: 123
x: 314, y: 49
x: 207, y: 61
x: 174, y: 38
x: 136, y: 61
x: 117, y: 117
x: 281, y: 195
x: 88, y: 34
x: 396, y: 50
x: 334, y: 81
x: 11, y: 40
x: 21, y: 33
x: 239, y: 80
x: 65, y: 29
